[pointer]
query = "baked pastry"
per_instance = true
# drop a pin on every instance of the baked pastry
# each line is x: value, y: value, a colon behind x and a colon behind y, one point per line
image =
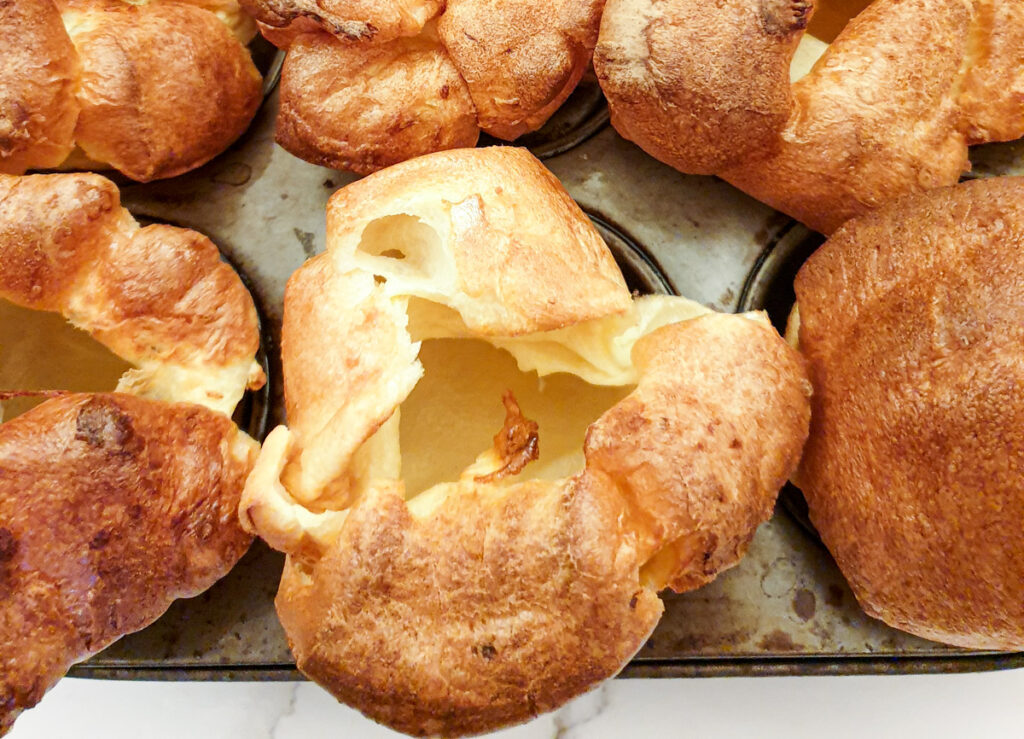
x: 446, y: 580
x: 151, y: 89
x: 912, y: 321
x: 367, y: 85
x: 114, y: 504
x: 889, y: 109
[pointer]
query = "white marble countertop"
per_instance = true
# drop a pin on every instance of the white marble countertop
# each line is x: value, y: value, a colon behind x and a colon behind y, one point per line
x: 971, y: 705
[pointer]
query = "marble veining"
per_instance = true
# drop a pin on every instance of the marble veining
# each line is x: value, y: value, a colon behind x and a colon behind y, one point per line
x: 981, y: 704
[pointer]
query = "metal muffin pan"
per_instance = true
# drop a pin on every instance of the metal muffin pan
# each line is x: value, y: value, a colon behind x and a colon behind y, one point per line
x: 785, y: 609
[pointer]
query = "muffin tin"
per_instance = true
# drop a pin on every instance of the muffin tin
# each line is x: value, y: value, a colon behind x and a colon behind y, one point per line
x: 784, y: 610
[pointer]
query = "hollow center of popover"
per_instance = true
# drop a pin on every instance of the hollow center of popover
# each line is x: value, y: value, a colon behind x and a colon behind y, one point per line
x: 562, y: 379
x: 42, y: 351
x: 455, y: 410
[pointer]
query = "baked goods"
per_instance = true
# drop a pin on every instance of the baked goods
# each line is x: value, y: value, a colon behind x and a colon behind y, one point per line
x: 367, y: 85
x: 912, y: 320
x: 151, y: 89
x: 446, y: 580
x: 114, y: 504
x: 889, y: 109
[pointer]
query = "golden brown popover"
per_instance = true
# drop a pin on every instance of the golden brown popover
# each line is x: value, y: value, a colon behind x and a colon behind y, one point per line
x: 114, y: 504
x: 150, y: 88
x: 446, y: 580
x: 912, y: 321
x: 889, y: 109
x: 367, y: 85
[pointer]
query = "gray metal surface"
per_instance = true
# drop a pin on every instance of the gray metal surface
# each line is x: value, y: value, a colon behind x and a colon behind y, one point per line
x: 785, y: 609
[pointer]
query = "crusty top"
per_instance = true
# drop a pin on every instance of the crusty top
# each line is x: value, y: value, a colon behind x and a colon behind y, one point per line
x: 521, y: 58
x: 507, y: 235
x: 363, y: 107
x: 38, y: 73
x: 912, y: 319
x: 699, y: 85
x: 152, y: 89
x: 351, y: 20
x: 367, y: 85
x: 158, y: 297
x: 889, y: 109
x: 110, y: 508
x: 484, y: 600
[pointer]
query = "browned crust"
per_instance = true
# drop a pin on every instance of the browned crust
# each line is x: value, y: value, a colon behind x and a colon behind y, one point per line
x: 38, y: 69
x: 991, y: 100
x: 701, y: 448
x: 483, y: 614
x: 520, y: 58
x: 365, y: 107
x: 501, y: 603
x: 699, y: 85
x: 887, y: 111
x: 516, y: 235
x: 52, y: 228
x: 67, y: 245
x: 283, y: 36
x: 885, y: 123
x: 912, y: 319
x: 351, y: 20
x: 481, y: 603
x: 154, y: 115
x: 110, y: 508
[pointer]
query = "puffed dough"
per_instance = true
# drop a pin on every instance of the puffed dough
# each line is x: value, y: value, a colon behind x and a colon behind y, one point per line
x: 912, y: 321
x: 484, y: 599
x: 362, y: 108
x: 112, y: 505
x: 367, y: 85
x: 152, y: 89
x: 889, y: 109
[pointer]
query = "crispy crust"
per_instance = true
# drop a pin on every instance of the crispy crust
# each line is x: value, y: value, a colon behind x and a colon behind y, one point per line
x: 144, y: 113
x: 350, y: 20
x: 678, y: 85
x: 370, y: 92
x: 482, y: 603
x: 886, y: 123
x: 509, y: 228
x: 154, y: 488
x: 159, y: 297
x: 701, y: 460
x: 520, y: 58
x: 888, y: 110
x: 365, y: 107
x: 112, y: 506
x: 38, y: 69
x: 912, y: 319
x: 152, y: 90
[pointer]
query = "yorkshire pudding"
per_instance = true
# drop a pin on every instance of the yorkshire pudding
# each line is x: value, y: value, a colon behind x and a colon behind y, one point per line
x: 151, y: 89
x: 889, y: 109
x: 114, y: 504
x: 446, y: 580
x: 912, y: 321
x: 367, y: 85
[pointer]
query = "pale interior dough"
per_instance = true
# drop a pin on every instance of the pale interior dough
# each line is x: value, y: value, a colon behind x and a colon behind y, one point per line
x: 563, y: 379
x: 42, y: 351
